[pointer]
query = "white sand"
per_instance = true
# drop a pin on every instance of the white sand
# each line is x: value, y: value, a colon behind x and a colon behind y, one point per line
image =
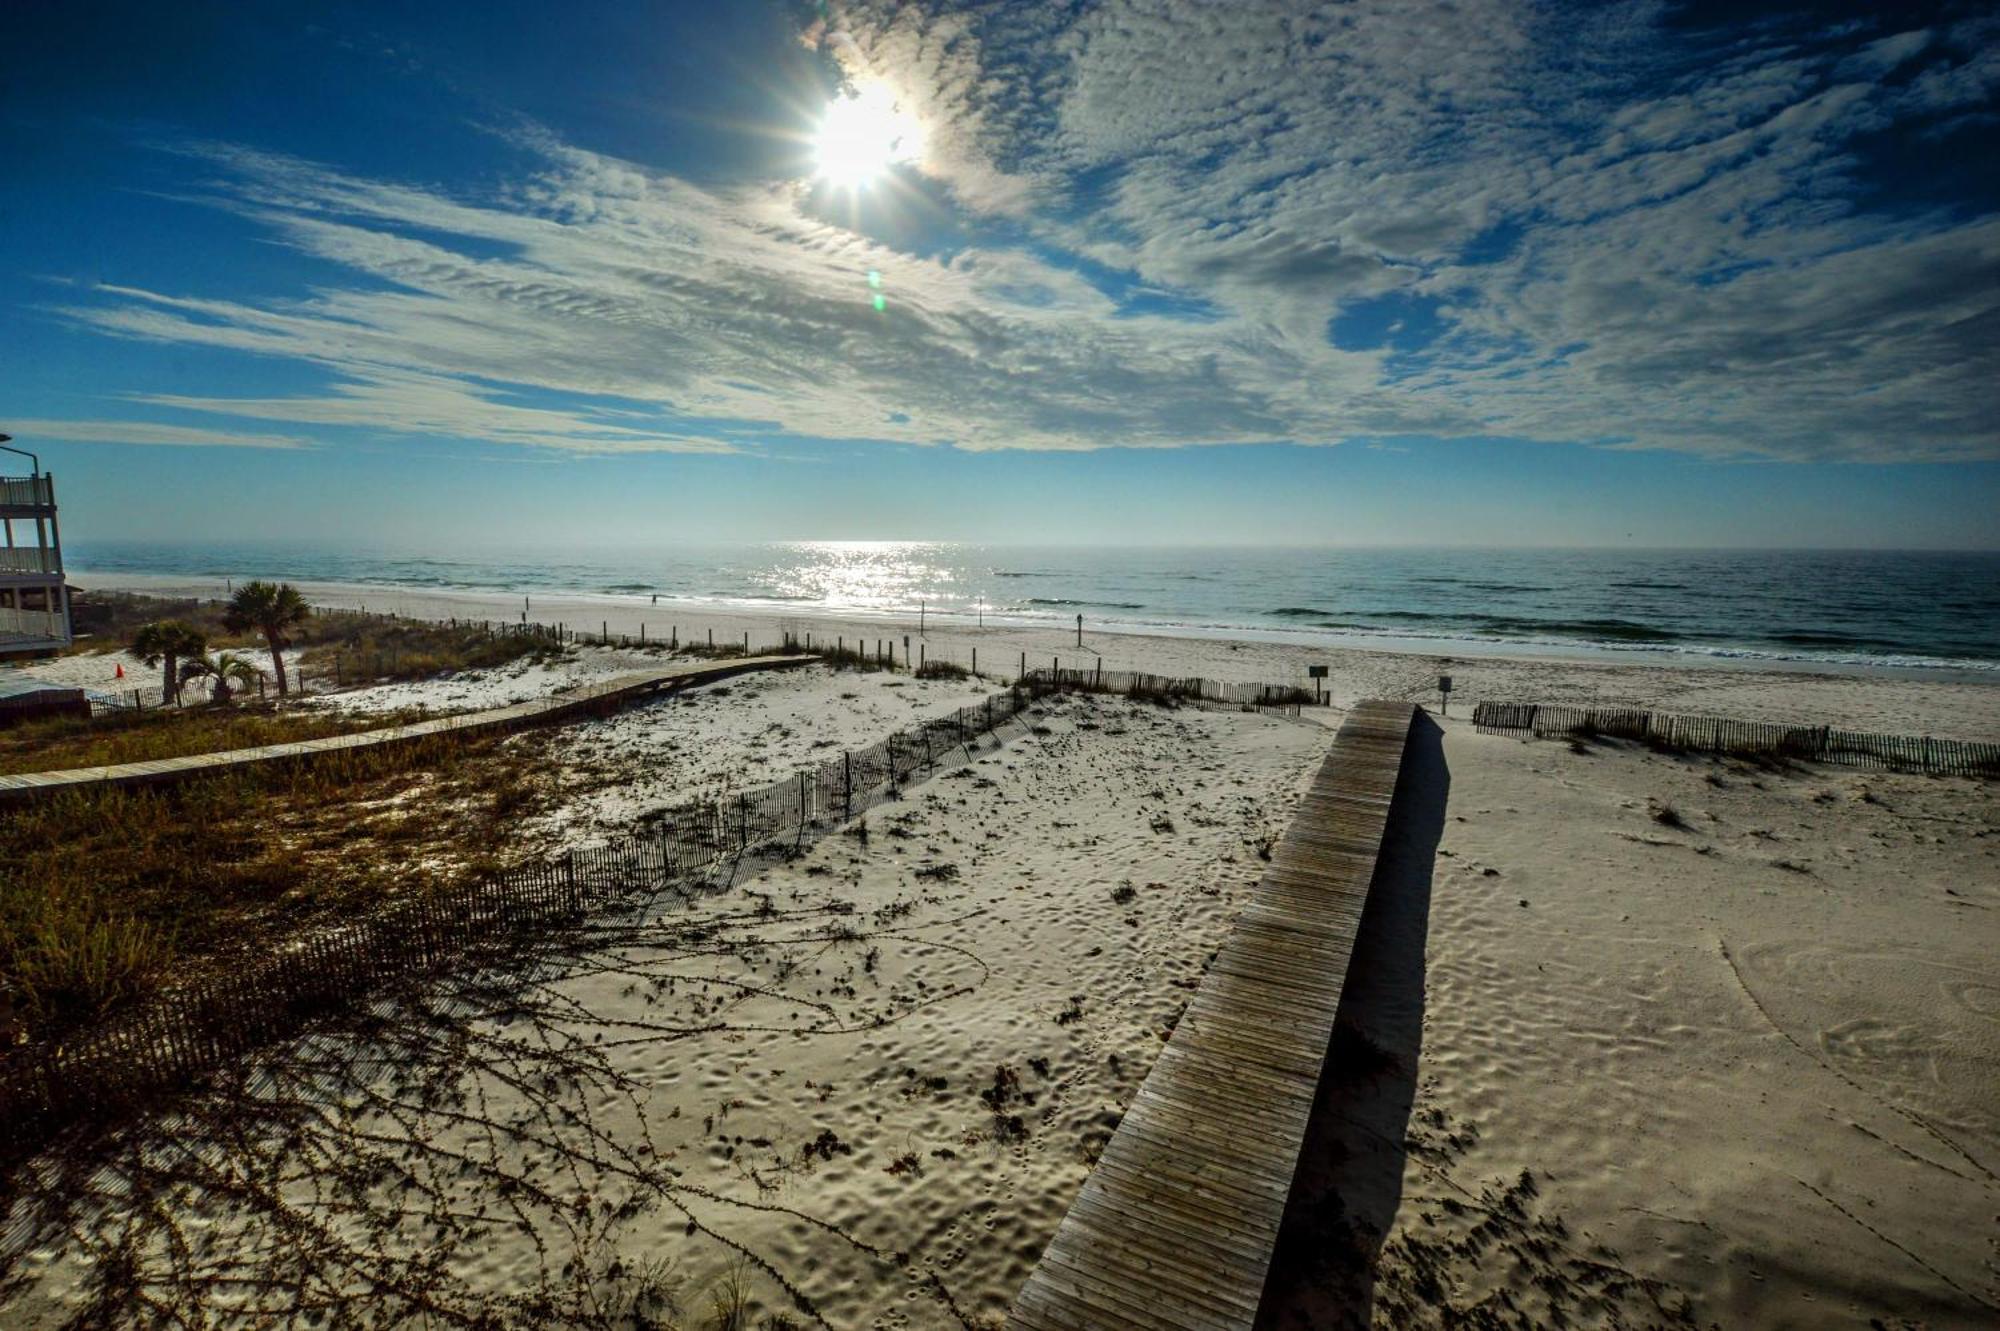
x: 1753, y: 1058
x: 810, y: 1051
x: 1900, y: 703
x: 742, y: 734
x: 1747, y: 1064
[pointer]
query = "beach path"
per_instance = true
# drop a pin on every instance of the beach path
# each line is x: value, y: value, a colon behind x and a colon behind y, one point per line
x: 1176, y: 1223
x: 588, y: 699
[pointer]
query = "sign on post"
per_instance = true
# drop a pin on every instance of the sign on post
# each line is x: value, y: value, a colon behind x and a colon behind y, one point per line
x: 1444, y: 694
x: 1316, y: 673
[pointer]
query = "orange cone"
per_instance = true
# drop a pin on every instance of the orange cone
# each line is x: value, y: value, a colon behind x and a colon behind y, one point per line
x: 121, y: 671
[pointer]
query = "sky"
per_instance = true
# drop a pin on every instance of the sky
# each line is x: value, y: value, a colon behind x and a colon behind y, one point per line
x: 1380, y: 272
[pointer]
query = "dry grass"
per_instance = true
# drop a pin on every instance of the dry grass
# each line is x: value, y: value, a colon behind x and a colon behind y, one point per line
x: 107, y: 895
x: 370, y: 647
x: 133, y: 737
x: 359, y: 645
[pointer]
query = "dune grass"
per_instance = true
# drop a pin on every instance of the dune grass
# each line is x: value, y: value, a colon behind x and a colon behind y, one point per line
x: 58, y: 743
x: 359, y: 646
x: 106, y: 895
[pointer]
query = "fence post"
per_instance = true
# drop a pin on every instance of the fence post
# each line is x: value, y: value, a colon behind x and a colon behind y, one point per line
x: 743, y: 822
x: 846, y: 786
x: 802, y: 810
x: 1024, y: 667
x: 975, y: 662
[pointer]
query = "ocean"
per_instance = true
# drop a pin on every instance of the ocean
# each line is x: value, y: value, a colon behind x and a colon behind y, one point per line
x: 1891, y: 610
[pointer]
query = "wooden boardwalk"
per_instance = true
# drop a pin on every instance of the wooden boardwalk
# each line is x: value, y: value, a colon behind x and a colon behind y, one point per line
x: 603, y: 696
x: 1175, y: 1226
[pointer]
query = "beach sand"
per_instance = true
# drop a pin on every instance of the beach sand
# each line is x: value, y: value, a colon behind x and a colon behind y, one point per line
x: 1894, y: 703
x: 1740, y: 1058
x: 1632, y: 1039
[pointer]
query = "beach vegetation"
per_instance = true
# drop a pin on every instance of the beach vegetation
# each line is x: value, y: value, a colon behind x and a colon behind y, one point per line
x: 165, y: 643
x: 273, y: 610
x: 54, y: 744
x: 226, y: 672
x: 350, y: 645
x: 109, y: 895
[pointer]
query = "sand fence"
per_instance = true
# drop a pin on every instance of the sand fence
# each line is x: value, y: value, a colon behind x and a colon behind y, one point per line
x: 687, y: 849
x: 1709, y: 734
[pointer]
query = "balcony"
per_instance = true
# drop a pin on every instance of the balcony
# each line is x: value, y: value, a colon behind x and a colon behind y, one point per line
x: 28, y: 560
x: 28, y: 492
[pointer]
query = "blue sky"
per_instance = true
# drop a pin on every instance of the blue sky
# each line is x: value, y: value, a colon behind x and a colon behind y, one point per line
x: 1486, y: 273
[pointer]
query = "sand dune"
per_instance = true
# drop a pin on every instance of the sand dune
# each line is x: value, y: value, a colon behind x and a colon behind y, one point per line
x: 1632, y: 1039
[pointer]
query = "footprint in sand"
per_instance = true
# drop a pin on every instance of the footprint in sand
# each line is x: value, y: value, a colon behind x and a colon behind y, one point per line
x: 1981, y: 1000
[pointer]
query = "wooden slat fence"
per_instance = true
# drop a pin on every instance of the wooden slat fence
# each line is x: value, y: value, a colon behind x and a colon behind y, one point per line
x: 1710, y: 734
x: 1138, y: 684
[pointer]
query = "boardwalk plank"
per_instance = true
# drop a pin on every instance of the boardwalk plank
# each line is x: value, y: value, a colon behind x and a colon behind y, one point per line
x: 1175, y: 1225
x: 611, y: 692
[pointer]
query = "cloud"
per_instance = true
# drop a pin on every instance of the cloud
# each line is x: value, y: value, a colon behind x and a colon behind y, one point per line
x: 1622, y: 233
x: 149, y: 433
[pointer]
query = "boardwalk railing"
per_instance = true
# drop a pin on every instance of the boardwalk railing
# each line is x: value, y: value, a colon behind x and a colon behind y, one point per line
x: 691, y: 849
x: 1709, y: 734
x: 1175, y: 1226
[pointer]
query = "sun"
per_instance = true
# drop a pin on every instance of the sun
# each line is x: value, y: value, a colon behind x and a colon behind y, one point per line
x: 862, y: 135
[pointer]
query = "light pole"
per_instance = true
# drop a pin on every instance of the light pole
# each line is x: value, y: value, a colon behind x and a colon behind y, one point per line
x: 34, y: 463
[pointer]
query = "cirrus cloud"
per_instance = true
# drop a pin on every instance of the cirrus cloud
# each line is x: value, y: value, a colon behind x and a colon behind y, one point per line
x: 1193, y: 225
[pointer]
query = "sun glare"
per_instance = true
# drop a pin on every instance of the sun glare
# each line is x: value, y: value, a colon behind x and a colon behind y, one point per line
x: 862, y: 135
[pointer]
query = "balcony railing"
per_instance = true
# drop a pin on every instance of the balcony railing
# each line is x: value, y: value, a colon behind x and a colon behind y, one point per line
x: 26, y: 492
x: 32, y: 624
x: 28, y: 559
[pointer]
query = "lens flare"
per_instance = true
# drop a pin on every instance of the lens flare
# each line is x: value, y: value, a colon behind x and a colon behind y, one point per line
x: 862, y: 135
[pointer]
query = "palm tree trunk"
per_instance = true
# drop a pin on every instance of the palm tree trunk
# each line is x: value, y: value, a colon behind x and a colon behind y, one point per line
x: 170, y: 686
x: 278, y: 662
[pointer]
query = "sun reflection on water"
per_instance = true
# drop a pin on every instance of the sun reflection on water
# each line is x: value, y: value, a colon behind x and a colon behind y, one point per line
x: 868, y: 575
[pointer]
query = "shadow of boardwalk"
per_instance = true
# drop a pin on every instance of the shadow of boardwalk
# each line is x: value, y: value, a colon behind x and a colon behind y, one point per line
x: 1350, y: 1176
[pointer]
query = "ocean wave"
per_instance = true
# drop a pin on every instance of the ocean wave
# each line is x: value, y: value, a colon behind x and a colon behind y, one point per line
x: 1474, y: 584
x: 1300, y: 612
x: 1085, y: 605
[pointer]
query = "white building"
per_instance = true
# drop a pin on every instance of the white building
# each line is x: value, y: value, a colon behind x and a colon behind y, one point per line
x: 34, y: 606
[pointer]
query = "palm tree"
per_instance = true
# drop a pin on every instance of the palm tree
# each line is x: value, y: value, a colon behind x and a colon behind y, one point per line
x: 228, y: 670
x: 269, y: 608
x: 168, y: 641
